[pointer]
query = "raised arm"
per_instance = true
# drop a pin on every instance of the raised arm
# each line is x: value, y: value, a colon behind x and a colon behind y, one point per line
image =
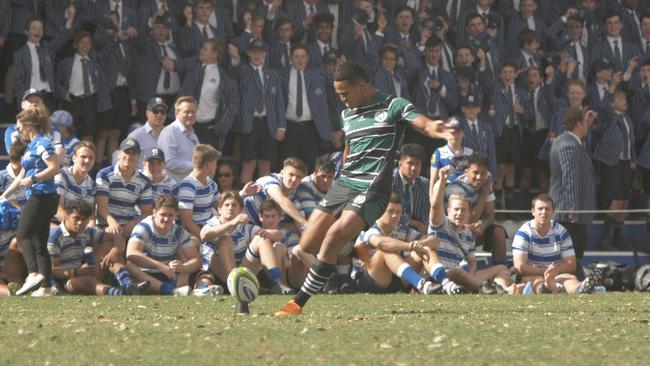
x: 287, y: 206
x: 437, y: 214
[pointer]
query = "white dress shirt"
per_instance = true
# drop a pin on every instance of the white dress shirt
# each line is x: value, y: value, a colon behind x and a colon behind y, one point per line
x: 208, y: 30
x: 77, y: 79
x: 208, y: 102
x: 36, y: 82
x: 293, y: 97
x: 175, y: 82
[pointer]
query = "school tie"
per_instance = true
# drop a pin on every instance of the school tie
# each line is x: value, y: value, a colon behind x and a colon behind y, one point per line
x: 41, y: 67
x: 474, y: 128
x: 617, y: 53
x: 168, y: 76
x: 626, y: 139
x: 285, y: 54
x: 406, y: 202
x: 299, y: 94
x: 432, y: 105
x: 511, y: 100
x: 205, y: 32
x: 259, y: 104
x: 86, y: 76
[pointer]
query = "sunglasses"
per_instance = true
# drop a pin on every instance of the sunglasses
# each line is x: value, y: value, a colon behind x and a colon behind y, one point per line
x: 159, y: 112
x: 224, y: 175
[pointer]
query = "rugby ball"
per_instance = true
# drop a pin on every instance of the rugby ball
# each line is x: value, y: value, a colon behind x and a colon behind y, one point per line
x: 242, y: 284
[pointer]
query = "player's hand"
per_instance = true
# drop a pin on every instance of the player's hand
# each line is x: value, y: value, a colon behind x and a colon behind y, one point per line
x: 382, y: 22
x: 419, y: 248
x: 131, y: 32
x: 242, y: 218
x: 26, y: 182
x: 570, y: 12
x: 590, y: 116
x: 176, y: 265
x: 336, y: 139
x: 433, y: 83
x: 87, y: 271
x: 279, y: 135
x: 168, y: 64
x: 425, y: 34
x: 263, y: 234
x: 443, y: 173
x: 632, y: 165
x: 251, y: 188
x: 189, y: 16
x: 114, y: 228
x: 167, y: 271
x: 113, y: 256
x: 247, y: 18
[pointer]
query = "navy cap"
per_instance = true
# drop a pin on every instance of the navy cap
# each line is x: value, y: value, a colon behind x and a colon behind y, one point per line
x: 453, y: 122
x: 130, y: 143
x: 154, y: 154
x: 600, y: 65
x: 157, y: 102
x: 257, y: 46
x: 471, y: 100
x: 62, y: 118
x: 31, y: 92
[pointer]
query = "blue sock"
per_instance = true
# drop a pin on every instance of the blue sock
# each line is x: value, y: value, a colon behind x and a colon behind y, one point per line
x: 439, y: 274
x: 408, y: 274
x: 274, y: 274
x: 122, y: 276
x: 202, y: 285
x: 167, y: 288
x: 114, y: 291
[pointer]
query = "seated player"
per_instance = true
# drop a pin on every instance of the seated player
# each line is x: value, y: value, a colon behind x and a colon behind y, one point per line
x: 313, y: 187
x: 197, y: 193
x: 161, y: 252
x: 457, y: 243
x: 154, y: 169
x: 8, y: 174
x: 387, y: 251
x: 120, y: 189
x: 543, y: 254
x: 281, y: 188
x: 74, y: 182
x: 66, y: 245
x: 475, y: 184
x: 229, y: 240
x: 12, y: 267
x: 63, y: 123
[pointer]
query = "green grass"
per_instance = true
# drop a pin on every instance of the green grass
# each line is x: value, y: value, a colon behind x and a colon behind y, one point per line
x: 334, y: 330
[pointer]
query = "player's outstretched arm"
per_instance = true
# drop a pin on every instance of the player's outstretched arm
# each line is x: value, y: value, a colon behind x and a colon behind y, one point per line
x: 437, y: 213
x: 434, y: 129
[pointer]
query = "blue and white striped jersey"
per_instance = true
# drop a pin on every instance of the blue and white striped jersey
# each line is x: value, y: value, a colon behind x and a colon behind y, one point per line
x: 444, y: 156
x: 241, y: 236
x: 401, y: 232
x: 159, y: 247
x: 252, y: 203
x: 455, y: 246
x: 123, y: 197
x: 308, y: 194
x: 69, y: 145
x: 193, y: 195
x: 7, y: 176
x: 68, y: 249
x: 543, y: 250
x: 67, y: 187
x: 165, y: 186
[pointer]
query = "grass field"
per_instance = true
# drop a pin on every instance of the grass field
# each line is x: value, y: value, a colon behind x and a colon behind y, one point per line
x: 334, y: 330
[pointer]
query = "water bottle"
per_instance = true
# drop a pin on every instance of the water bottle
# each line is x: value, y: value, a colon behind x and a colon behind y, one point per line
x: 464, y: 265
x: 528, y: 290
x: 600, y: 289
x: 89, y: 257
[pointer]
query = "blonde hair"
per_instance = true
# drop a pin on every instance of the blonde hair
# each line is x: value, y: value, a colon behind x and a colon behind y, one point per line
x: 204, y: 154
x: 185, y: 99
x: 458, y: 197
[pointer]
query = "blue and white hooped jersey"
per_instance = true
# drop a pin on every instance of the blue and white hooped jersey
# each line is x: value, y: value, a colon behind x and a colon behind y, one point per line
x: 444, y: 156
x: 7, y: 176
x: 193, y: 195
x: 67, y: 187
x: 69, y: 144
x: 543, y: 250
x: 401, y: 232
x: 455, y: 246
x: 69, y: 250
x: 241, y: 237
x: 165, y: 186
x: 308, y: 194
x: 123, y: 197
x: 160, y: 247
x: 252, y: 203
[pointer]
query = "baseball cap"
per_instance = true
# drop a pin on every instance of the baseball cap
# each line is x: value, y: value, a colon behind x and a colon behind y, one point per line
x: 31, y: 92
x: 453, y: 122
x: 130, y: 144
x: 471, y: 100
x: 600, y: 65
x: 156, y: 102
x: 154, y: 154
x: 257, y: 46
x: 61, y: 118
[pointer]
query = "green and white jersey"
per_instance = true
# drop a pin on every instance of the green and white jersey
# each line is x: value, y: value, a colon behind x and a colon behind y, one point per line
x: 373, y: 133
